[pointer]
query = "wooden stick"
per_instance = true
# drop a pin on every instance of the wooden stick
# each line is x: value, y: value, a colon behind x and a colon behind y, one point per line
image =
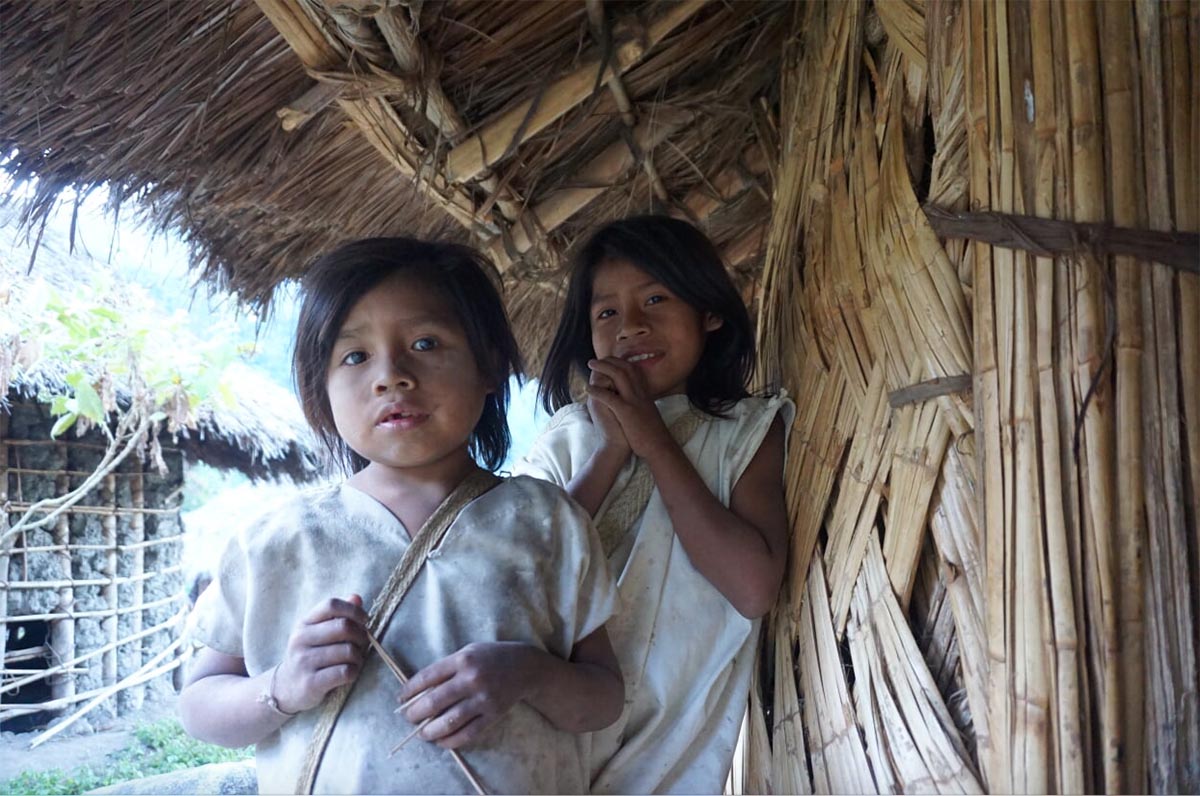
x: 508, y: 129
x: 600, y: 174
x: 145, y: 672
x: 16, y: 684
x: 1050, y: 237
x: 410, y: 736
x: 390, y: 662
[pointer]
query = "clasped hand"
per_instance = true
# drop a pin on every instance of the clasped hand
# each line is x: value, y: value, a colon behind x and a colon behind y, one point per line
x: 462, y: 695
x: 324, y: 651
x: 621, y: 406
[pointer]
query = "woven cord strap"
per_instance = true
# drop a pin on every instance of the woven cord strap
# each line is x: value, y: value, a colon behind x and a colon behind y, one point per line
x: 624, y: 509
x: 386, y: 602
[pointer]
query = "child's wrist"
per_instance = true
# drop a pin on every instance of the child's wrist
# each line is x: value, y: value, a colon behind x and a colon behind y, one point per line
x: 613, y: 453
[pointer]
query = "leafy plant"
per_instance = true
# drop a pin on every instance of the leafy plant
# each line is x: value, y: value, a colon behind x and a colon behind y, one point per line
x: 127, y: 371
x: 160, y: 748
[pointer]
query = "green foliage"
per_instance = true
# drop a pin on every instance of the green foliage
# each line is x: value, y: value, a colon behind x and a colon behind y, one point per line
x: 160, y: 748
x: 114, y: 340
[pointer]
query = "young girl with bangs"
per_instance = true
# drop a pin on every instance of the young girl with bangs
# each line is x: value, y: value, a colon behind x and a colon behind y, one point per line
x: 490, y: 595
x: 683, y: 470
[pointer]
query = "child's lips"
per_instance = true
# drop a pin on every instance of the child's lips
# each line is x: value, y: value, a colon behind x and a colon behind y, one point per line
x: 642, y: 358
x: 401, y: 419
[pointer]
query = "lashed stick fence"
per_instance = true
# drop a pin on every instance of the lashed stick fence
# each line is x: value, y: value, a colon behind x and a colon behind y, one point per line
x: 86, y: 579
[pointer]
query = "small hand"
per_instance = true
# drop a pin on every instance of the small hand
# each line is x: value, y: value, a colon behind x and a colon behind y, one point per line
x: 612, y: 436
x: 630, y: 402
x: 324, y: 651
x: 465, y: 693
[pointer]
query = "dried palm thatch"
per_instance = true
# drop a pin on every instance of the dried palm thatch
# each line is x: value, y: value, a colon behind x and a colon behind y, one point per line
x: 1059, y: 492
x: 994, y: 475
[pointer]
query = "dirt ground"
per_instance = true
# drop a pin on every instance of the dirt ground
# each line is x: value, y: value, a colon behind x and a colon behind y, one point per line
x: 74, y: 748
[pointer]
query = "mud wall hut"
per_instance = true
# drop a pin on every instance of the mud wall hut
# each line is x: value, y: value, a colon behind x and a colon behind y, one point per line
x: 969, y: 231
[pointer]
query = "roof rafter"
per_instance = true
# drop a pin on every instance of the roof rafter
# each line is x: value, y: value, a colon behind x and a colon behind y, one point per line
x: 507, y: 129
x: 377, y: 119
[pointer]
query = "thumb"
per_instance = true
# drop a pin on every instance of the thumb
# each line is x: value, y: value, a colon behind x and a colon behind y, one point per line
x: 357, y: 600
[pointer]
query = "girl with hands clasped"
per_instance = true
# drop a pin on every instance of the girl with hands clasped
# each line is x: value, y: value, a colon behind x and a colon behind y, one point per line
x: 488, y: 596
x: 683, y: 470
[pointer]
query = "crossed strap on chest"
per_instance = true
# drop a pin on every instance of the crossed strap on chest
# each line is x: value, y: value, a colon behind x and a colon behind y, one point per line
x: 626, y: 506
x: 386, y: 602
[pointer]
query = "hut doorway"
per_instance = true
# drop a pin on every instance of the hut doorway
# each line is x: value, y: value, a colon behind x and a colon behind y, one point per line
x: 28, y: 653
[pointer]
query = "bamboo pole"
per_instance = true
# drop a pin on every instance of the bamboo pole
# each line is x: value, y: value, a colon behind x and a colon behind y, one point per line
x: 600, y: 174
x: 109, y: 592
x: 4, y: 525
x: 62, y: 631
x: 121, y: 548
x: 167, y: 625
x: 1184, y: 132
x: 505, y: 131
x: 378, y: 122
x: 137, y: 534
x: 1174, y: 711
x: 147, y: 671
x: 100, y: 613
x: 24, y: 710
x: 125, y: 580
x: 1120, y: 115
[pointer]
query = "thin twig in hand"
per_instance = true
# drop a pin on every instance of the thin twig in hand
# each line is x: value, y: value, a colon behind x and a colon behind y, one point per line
x: 409, y: 737
x: 396, y: 670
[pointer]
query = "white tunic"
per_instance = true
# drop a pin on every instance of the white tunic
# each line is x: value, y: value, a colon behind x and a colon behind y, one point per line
x: 684, y: 650
x: 520, y: 563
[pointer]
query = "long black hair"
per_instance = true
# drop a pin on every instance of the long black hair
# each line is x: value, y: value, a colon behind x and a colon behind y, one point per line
x: 460, y: 275
x: 685, y: 261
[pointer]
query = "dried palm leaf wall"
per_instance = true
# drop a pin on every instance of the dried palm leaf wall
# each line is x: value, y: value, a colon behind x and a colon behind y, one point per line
x: 995, y: 468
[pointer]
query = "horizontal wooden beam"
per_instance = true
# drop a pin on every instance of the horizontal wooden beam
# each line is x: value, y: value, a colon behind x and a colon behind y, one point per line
x: 508, y: 129
x: 1048, y: 237
x: 600, y: 174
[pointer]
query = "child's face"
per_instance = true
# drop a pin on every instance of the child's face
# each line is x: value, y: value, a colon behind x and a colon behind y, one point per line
x: 638, y: 319
x: 403, y: 384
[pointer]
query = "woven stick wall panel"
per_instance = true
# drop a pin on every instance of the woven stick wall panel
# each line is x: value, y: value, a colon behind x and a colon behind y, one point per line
x: 1052, y: 509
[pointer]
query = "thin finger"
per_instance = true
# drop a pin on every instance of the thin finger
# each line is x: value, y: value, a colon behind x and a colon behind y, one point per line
x: 431, y: 676
x: 465, y: 735
x: 334, y: 608
x: 448, y: 723
x: 620, y: 372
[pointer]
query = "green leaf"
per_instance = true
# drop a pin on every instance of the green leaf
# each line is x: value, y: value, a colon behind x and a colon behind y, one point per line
x: 64, y: 422
x: 90, y: 405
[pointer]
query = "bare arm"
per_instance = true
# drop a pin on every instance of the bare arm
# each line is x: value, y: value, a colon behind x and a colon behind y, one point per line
x: 220, y: 701
x: 465, y: 693
x: 742, y: 549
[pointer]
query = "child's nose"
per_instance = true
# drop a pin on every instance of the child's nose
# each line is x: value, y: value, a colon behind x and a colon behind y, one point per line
x: 394, y: 375
x: 633, y: 323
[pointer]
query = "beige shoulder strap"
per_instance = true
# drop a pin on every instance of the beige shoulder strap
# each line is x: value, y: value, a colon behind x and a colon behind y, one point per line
x: 625, y: 507
x: 385, y: 605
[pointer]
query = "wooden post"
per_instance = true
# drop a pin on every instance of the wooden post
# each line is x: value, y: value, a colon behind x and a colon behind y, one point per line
x: 3, y: 527
x: 137, y: 533
x: 110, y: 622
x: 61, y: 638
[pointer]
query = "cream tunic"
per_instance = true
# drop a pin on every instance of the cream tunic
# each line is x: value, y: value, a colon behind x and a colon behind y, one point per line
x: 520, y: 563
x: 684, y: 650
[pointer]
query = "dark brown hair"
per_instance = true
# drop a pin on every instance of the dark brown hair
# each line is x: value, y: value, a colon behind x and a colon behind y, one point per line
x: 685, y: 261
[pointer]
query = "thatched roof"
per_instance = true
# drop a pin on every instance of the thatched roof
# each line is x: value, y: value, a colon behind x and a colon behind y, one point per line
x: 262, y: 434
x: 265, y: 149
